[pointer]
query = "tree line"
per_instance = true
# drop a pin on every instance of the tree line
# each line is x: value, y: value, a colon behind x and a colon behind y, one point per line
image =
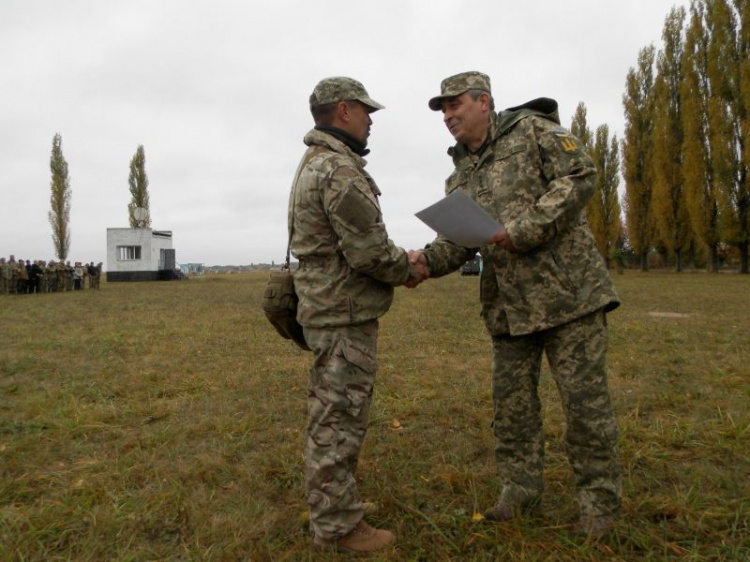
x: 686, y: 148
x: 61, y: 196
x: 684, y: 156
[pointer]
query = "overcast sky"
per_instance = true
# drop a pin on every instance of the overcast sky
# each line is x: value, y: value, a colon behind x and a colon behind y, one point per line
x: 216, y: 92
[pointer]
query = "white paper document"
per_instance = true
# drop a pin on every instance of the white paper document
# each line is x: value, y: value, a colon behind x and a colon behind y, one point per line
x: 460, y: 220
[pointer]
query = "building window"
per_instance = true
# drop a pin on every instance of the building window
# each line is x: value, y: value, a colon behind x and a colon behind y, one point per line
x: 128, y: 253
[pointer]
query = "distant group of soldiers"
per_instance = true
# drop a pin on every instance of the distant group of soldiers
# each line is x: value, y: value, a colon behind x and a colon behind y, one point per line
x: 19, y: 277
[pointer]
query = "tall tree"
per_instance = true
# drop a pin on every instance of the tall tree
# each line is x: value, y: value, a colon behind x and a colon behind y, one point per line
x: 636, y: 154
x: 579, y: 127
x: 138, y: 181
x: 700, y: 186
x: 728, y: 114
x: 594, y: 212
x: 61, y: 195
x: 743, y: 7
x: 603, y: 211
x: 669, y: 205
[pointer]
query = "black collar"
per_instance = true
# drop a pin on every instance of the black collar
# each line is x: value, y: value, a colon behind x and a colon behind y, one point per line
x: 357, y: 146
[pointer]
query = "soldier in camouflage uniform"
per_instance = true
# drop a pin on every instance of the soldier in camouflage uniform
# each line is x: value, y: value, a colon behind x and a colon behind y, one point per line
x: 22, y: 278
x: 69, y: 276
x: 544, y: 289
x: 94, y: 274
x: 4, y: 277
x: 347, y: 269
x: 62, y: 276
x: 51, y: 275
x: 13, y: 276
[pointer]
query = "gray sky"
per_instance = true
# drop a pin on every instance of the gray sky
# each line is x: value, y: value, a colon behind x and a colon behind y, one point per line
x: 216, y: 92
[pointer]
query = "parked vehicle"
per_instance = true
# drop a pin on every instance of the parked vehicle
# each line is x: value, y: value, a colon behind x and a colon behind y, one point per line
x: 473, y: 266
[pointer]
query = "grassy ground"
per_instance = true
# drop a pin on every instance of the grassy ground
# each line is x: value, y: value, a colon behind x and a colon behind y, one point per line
x: 165, y: 421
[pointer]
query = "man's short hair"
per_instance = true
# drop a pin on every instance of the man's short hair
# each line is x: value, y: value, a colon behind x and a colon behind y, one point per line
x: 475, y: 96
x: 322, y: 114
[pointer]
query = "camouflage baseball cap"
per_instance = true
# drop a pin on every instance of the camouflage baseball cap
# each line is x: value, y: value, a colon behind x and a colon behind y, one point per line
x: 340, y: 88
x: 456, y: 85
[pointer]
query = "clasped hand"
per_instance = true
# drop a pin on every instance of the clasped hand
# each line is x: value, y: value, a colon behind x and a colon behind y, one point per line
x: 420, y: 269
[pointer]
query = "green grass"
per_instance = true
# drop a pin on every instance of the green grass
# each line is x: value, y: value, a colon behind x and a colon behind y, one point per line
x: 165, y: 421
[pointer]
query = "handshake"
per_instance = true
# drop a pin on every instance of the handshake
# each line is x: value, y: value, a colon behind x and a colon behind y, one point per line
x: 420, y: 269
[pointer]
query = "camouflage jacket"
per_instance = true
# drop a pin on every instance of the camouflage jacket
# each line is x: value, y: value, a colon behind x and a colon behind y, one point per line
x: 348, y: 265
x: 534, y: 178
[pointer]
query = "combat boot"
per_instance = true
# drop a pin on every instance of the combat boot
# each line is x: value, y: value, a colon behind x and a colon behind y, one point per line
x: 370, y: 508
x: 363, y: 539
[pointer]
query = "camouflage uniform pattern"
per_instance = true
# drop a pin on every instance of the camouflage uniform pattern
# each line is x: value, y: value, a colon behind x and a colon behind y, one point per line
x: 538, y: 190
x: 534, y: 178
x: 5, y: 277
x: 338, y: 404
x: 348, y: 265
x: 69, y: 277
x: 96, y: 273
x: 576, y: 353
x: 51, y: 276
x: 456, y: 85
x: 13, y: 275
x: 347, y: 269
x: 22, y: 278
x: 339, y: 88
x: 62, y: 277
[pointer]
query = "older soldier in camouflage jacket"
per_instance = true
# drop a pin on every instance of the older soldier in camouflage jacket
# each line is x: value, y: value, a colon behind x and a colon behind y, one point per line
x: 544, y: 289
x: 347, y: 269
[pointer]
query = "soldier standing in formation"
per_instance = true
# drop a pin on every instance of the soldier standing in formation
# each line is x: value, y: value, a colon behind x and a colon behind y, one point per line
x: 22, y: 278
x: 544, y: 290
x: 35, y: 275
x: 78, y: 277
x: 5, y: 277
x: 25, y: 277
x: 94, y: 272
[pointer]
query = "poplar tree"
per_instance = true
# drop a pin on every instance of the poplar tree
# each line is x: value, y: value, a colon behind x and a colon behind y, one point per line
x: 636, y: 154
x: 579, y: 127
x: 138, y: 181
x: 728, y: 114
x: 668, y: 200
x: 603, y: 211
x: 700, y: 186
x: 744, y: 9
x: 61, y: 195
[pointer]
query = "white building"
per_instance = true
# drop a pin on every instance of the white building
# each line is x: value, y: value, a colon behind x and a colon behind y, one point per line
x: 140, y: 254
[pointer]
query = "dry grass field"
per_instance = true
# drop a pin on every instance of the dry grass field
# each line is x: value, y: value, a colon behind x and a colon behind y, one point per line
x: 165, y: 421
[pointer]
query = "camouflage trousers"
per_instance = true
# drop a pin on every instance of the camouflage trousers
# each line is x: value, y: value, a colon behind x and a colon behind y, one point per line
x: 338, y: 406
x: 576, y: 355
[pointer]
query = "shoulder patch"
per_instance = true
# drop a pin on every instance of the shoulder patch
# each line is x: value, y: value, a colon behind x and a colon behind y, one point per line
x: 356, y: 211
x: 567, y: 142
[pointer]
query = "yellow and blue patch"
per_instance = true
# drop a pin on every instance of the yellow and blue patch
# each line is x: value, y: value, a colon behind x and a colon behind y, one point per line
x: 567, y: 142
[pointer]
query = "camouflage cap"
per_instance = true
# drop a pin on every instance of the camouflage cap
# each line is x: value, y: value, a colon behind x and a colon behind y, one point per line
x: 340, y: 88
x: 458, y: 84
